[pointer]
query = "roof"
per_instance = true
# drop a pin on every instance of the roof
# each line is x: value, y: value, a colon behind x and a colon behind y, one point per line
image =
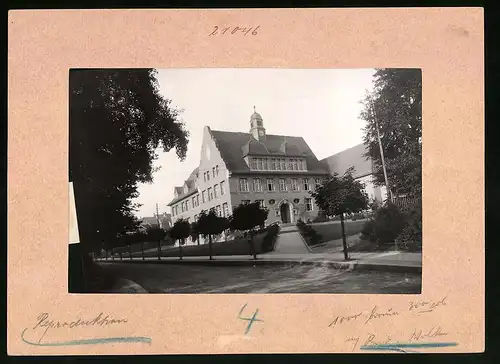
x: 352, y: 157
x: 234, y: 146
x: 190, y: 182
x: 149, y: 220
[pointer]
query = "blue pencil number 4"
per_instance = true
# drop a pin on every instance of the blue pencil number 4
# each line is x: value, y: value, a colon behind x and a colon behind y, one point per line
x: 250, y: 320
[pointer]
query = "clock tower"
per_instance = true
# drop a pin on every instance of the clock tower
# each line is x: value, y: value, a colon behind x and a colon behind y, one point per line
x: 257, y: 129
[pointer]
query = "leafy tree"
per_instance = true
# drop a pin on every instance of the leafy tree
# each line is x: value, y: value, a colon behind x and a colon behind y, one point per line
x: 247, y: 218
x: 180, y: 231
x: 156, y: 233
x: 339, y: 195
x: 209, y: 224
x: 118, y: 120
x: 396, y: 106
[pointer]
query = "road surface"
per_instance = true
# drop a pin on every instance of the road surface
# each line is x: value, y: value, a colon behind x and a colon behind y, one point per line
x: 186, y: 278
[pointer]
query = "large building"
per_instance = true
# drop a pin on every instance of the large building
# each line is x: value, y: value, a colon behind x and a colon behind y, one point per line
x: 363, y: 169
x: 237, y: 168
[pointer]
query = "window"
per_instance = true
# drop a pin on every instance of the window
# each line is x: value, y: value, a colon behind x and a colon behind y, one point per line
x: 210, y: 194
x: 213, y: 172
x: 243, y: 185
x: 277, y: 212
x: 216, y: 191
x: 225, y: 210
x: 294, y: 162
x: 309, y: 206
x: 245, y: 202
x: 305, y: 182
x: 208, y: 176
x: 273, y: 164
x: 222, y: 188
x: 270, y: 185
x: 283, y: 165
x: 197, y: 200
x: 203, y: 196
x: 295, y: 212
x: 204, y: 177
x: 217, y: 170
x: 257, y: 187
x: 317, y: 181
x: 261, y: 203
x: 195, y: 217
x: 282, y: 184
x: 295, y: 184
x: 303, y: 165
x: 194, y: 201
x: 259, y: 163
x: 290, y: 165
x: 278, y: 165
x: 253, y: 163
x: 218, y: 210
x: 176, y: 210
x: 264, y: 164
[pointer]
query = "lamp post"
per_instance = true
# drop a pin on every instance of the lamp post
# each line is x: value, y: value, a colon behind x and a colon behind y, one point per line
x: 387, y: 186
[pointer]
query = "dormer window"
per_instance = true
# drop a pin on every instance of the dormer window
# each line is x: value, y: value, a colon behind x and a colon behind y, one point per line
x: 276, y: 164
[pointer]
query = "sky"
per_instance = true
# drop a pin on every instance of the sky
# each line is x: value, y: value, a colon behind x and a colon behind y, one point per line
x: 320, y: 105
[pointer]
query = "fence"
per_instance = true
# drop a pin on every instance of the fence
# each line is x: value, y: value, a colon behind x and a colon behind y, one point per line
x: 405, y: 202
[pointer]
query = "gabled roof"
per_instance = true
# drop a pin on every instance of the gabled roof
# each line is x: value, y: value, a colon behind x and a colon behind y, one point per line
x: 352, y: 157
x: 234, y: 146
x: 191, y: 185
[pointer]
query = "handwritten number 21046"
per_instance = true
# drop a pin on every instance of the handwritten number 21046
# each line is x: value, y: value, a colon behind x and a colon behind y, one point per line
x: 234, y: 30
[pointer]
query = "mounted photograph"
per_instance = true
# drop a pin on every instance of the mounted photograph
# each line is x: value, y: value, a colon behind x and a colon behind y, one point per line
x: 246, y: 180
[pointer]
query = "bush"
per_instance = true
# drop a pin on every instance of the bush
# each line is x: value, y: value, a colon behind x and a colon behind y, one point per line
x: 308, y: 233
x: 411, y: 235
x: 388, y: 223
x: 368, y: 231
x: 270, y: 238
x: 358, y: 216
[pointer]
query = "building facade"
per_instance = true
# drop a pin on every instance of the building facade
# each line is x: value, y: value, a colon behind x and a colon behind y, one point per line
x: 237, y: 168
x: 363, y: 169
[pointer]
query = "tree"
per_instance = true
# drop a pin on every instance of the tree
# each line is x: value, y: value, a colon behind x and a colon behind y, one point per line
x: 396, y: 106
x: 156, y: 233
x: 339, y: 195
x: 180, y: 231
x: 118, y: 120
x: 209, y: 224
x: 247, y: 218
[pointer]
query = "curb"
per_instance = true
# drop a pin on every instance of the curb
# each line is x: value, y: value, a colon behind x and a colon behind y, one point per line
x: 349, y: 265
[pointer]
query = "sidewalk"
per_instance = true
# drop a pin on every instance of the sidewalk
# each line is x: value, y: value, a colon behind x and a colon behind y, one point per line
x: 388, y: 261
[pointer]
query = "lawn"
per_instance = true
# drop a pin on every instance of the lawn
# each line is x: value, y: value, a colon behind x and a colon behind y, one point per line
x: 333, y: 230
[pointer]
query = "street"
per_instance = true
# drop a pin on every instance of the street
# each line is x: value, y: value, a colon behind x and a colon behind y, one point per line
x: 186, y: 278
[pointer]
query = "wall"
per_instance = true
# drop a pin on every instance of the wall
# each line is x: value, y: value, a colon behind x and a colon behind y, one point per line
x: 374, y: 192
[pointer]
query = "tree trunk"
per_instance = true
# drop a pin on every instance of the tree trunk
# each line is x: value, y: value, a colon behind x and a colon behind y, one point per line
x: 344, y: 241
x: 198, y: 239
x: 210, y: 246
x: 106, y: 254
x: 113, y: 253
x: 180, y: 249
x: 159, y: 249
x: 142, y: 250
x: 254, y: 251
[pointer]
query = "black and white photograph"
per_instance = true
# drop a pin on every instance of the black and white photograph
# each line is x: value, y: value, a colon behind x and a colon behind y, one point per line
x: 247, y: 180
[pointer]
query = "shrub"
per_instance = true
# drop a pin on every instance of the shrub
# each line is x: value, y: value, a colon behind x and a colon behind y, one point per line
x: 270, y: 238
x: 368, y: 231
x: 411, y: 235
x: 310, y: 235
x: 388, y: 223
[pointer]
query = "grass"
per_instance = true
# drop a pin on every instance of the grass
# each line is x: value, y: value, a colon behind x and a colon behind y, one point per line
x: 333, y: 231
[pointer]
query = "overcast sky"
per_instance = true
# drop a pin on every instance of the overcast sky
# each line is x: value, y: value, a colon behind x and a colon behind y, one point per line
x: 322, y: 106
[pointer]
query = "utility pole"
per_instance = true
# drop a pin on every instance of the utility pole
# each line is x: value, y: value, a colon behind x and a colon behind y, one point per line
x: 387, y: 186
